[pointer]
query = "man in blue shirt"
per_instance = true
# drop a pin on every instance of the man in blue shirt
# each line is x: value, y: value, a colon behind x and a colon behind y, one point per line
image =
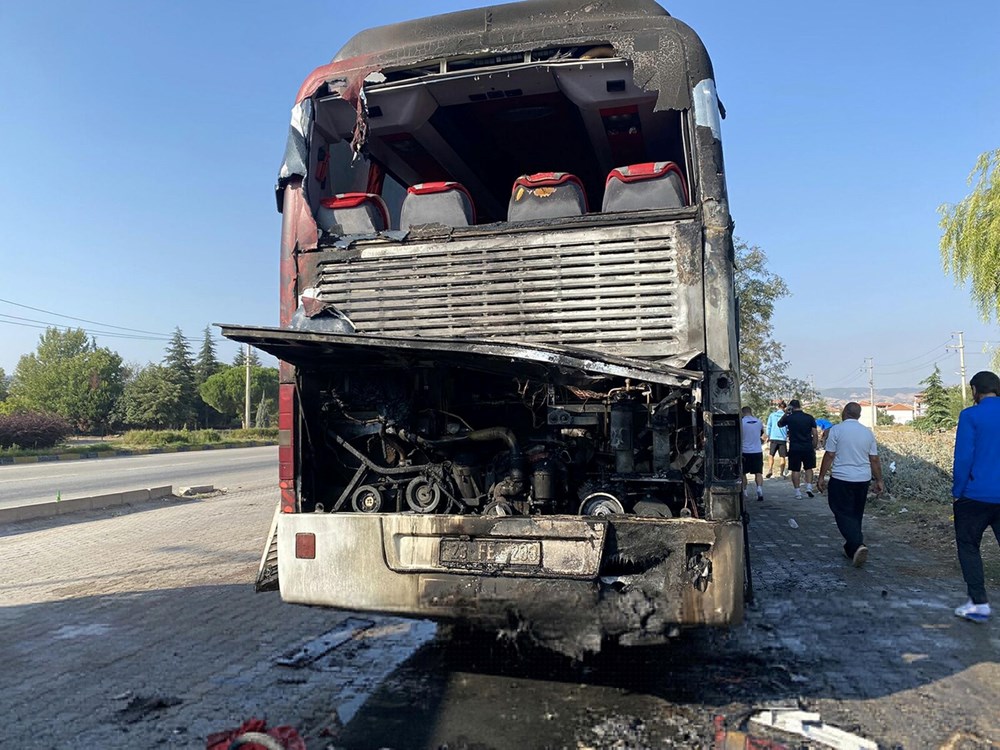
x: 976, y: 488
x: 823, y: 426
x: 777, y: 437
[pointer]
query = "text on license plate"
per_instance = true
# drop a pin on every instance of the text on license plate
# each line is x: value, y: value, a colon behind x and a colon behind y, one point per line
x: 490, y: 552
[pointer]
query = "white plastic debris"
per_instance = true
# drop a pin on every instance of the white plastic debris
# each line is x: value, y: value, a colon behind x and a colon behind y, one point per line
x: 791, y: 522
x: 809, y: 725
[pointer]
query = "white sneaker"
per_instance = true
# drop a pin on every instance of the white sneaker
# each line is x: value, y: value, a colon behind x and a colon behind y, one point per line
x: 798, y: 494
x: 974, y: 612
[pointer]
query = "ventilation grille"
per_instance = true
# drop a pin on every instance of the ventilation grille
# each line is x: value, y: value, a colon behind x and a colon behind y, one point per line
x: 605, y: 289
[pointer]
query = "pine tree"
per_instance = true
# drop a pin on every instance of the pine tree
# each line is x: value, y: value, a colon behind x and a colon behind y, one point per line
x: 205, y: 366
x: 180, y: 368
x: 937, y: 413
x: 240, y: 359
x: 207, y: 363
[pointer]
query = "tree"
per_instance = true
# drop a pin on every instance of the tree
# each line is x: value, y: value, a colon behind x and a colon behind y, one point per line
x: 225, y: 391
x: 883, y: 418
x: 970, y: 243
x: 970, y: 240
x: 240, y: 359
x: 180, y: 369
x: 205, y: 366
x: 763, y: 375
x: 937, y: 413
x: 71, y: 376
x: 150, y: 399
x: 955, y: 404
x: 207, y: 363
x: 4, y: 385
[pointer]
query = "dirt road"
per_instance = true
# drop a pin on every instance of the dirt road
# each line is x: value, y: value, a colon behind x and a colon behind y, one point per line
x: 139, y: 629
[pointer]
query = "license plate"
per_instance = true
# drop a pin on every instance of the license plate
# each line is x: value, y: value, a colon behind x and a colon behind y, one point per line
x: 484, y: 553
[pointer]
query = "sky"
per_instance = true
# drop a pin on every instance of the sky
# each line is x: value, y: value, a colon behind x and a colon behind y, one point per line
x: 140, y: 142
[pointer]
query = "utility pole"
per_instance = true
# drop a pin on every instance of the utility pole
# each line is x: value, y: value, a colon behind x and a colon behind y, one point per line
x: 961, y: 361
x: 871, y: 387
x: 246, y: 391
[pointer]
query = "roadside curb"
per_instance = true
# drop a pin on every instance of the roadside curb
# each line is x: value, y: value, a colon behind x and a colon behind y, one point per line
x: 62, y: 507
x: 8, y: 460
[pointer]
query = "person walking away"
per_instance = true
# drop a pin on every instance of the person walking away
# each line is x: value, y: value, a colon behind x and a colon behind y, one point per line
x: 852, y: 460
x: 976, y: 488
x: 802, y: 441
x: 753, y: 450
x: 823, y: 426
x: 777, y: 437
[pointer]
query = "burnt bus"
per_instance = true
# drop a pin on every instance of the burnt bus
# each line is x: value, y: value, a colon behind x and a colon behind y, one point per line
x: 509, y: 386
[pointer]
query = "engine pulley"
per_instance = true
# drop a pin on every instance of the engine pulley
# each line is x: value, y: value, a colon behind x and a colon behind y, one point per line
x: 423, y: 495
x: 601, y: 504
x: 367, y: 499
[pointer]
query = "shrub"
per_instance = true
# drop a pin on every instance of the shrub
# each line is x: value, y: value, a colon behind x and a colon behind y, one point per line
x: 32, y: 429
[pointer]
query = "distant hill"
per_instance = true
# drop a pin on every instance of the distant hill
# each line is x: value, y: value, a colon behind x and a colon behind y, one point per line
x: 896, y: 395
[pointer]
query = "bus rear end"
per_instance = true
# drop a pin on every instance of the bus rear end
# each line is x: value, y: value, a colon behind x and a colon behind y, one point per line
x: 509, y: 388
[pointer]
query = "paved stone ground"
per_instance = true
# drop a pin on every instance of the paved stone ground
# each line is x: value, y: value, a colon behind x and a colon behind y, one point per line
x: 878, y: 647
x: 138, y: 628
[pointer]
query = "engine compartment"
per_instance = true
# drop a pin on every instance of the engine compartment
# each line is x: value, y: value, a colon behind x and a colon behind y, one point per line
x: 448, y: 440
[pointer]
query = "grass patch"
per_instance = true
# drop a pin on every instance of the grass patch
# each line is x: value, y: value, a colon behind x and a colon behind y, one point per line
x: 147, y: 439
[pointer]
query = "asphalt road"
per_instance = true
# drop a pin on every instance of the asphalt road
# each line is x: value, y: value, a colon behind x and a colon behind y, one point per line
x: 25, y: 484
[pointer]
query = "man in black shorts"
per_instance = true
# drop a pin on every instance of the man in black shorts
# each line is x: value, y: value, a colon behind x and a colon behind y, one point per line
x: 753, y: 450
x: 803, y: 437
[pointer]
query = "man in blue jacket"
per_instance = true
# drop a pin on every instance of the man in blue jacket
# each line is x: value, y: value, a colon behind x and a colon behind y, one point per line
x: 976, y: 488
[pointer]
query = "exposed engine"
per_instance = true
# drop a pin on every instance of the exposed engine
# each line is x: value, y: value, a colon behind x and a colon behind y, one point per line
x: 435, y: 440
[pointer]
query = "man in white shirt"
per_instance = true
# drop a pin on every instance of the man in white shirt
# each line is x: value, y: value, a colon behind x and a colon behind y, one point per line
x: 852, y: 459
x: 753, y: 450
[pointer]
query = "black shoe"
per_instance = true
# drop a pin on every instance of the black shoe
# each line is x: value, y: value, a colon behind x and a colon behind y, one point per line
x: 760, y: 498
x: 810, y: 493
x: 767, y: 476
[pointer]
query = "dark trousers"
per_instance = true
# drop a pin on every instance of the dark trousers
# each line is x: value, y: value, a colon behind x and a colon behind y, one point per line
x: 847, y: 501
x: 971, y: 519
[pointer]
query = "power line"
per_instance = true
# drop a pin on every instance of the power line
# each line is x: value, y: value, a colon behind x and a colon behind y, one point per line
x: 919, y: 356
x: 45, y: 324
x: 84, y: 320
x: 923, y: 365
x: 42, y: 325
x: 852, y: 374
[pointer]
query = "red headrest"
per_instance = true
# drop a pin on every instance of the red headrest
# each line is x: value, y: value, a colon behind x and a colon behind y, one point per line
x: 353, y: 200
x: 649, y: 171
x: 546, y: 179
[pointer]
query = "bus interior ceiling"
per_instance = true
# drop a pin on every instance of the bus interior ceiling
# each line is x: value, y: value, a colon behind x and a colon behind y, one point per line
x: 486, y: 127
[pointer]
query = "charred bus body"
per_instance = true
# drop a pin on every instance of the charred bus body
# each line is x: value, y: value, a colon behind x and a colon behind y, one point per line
x: 509, y: 386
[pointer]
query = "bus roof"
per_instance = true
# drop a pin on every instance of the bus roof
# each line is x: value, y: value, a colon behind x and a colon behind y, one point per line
x: 505, y: 25
x: 640, y: 30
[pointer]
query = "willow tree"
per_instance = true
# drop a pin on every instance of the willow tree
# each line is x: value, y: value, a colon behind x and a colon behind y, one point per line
x: 970, y: 243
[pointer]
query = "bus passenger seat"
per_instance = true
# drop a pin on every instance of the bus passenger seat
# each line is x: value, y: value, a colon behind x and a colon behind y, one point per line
x: 447, y: 203
x: 546, y: 195
x: 640, y: 186
x: 353, y: 213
